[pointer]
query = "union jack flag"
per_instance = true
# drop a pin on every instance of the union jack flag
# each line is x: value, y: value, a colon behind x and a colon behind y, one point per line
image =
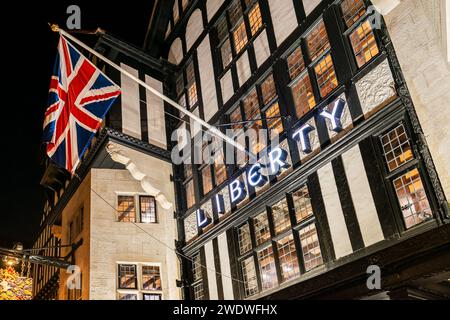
x: 79, y: 98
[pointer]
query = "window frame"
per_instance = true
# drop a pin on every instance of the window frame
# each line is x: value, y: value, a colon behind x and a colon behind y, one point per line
x: 133, y: 196
x: 250, y: 35
x: 183, y: 97
x: 139, y: 290
x: 309, y: 70
x: 159, y: 295
x: 154, y: 289
x: 137, y: 208
x: 273, y: 240
x: 119, y: 276
x: 349, y: 30
x: 155, y: 207
x: 390, y: 176
x: 196, y: 282
x: 261, y: 117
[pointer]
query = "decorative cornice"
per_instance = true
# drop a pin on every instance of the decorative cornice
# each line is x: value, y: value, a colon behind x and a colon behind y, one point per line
x: 139, y: 145
x: 119, y: 156
x: 135, y: 53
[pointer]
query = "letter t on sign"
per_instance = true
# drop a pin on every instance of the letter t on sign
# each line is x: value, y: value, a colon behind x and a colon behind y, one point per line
x: 303, y: 134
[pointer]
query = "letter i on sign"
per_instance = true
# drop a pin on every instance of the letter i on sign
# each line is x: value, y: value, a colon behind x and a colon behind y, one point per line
x: 218, y: 204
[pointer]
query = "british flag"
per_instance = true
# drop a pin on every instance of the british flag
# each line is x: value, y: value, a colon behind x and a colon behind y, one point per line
x: 80, y: 95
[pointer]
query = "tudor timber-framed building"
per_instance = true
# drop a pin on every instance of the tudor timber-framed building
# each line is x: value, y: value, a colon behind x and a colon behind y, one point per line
x: 372, y: 191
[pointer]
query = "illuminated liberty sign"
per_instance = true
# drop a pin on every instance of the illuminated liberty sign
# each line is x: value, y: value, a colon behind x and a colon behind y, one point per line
x: 275, y: 164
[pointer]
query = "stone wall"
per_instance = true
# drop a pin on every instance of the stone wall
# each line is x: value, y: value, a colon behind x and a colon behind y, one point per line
x: 113, y: 242
x: 81, y: 199
x: 418, y: 44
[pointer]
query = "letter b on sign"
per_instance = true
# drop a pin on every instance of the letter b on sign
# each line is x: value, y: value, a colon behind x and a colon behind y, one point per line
x: 374, y: 280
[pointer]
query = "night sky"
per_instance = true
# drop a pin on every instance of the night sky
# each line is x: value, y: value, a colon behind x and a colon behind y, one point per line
x: 28, y: 52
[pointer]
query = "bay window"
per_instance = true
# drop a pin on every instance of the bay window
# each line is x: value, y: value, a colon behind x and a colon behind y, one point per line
x: 359, y: 31
x: 403, y: 172
x: 311, y: 70
x: 279, y: 244
x: 236, y: 27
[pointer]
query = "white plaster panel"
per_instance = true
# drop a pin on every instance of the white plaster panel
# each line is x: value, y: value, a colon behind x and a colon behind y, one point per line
x: 176, y: 52
x: 225, y: 267
x: 212, y: 6
x: 363, y: 201
x: 346, y: 118
x: 283, y: 18
x: 176, y: 12
x: 211, y: 271
x: 243, y: 68
x: 207, y: 79
x: 335, y: 216
x: 194, y: 28
x: 155, y: 115
x: 190, y: 226
x: 226, y: 84
x: 208, y: 209
x: 131, y: 115
x: 262, y: 50
x: 226, y: 199
x: 313, y: 139
x: 310, y: 5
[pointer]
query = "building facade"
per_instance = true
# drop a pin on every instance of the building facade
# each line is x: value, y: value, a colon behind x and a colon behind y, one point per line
x: 113, y: 221
x: 357, y: 99
x: 358, y: 182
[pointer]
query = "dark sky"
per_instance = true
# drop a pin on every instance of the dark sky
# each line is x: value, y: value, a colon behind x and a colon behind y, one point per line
x: 28, y: 52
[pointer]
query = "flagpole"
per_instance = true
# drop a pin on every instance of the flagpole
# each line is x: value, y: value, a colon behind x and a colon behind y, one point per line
x: 212, y: 129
